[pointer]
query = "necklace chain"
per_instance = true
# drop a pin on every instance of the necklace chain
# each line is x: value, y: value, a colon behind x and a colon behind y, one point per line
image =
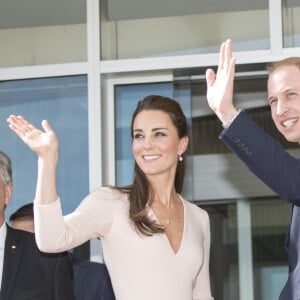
x: 166, y: 222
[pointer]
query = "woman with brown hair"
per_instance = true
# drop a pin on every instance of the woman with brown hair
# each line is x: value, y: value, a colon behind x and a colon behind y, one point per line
x: 155, y: 243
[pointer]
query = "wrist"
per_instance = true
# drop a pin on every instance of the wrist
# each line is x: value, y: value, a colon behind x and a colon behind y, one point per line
x: 229, y: 117
x: 48, y: 162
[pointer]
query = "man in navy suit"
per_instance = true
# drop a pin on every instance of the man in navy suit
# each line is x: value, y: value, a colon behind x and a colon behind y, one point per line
x: 266, y: 158
x: 91, y: 280
x: 25, y: 272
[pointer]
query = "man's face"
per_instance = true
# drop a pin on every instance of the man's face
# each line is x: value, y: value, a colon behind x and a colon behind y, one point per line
x: 284, y: 99
x: 5, y: 195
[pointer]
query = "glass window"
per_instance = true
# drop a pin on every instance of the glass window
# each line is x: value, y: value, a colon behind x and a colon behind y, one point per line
x: 224, y: 269
x: 63, y: 102
x: 132, y: 29
x: 42, y: 32
x: 270, y: 222
x: 214, y: 172
x: 291, y: 23
x: 270, y: 219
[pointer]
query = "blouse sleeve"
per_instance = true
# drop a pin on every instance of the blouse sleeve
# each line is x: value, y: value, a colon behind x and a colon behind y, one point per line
x: 202, y: 289
x: 92, y: 218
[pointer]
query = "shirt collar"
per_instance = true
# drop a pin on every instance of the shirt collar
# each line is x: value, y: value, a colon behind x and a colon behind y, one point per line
x: 3, y: 231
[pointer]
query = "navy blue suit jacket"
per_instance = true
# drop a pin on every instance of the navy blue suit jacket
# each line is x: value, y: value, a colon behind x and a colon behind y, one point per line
x: 269, y: 161
x: 29, y: 274
x: 91, y: 280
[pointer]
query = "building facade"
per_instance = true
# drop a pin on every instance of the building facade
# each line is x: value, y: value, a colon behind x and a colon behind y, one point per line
x: 84, y: 64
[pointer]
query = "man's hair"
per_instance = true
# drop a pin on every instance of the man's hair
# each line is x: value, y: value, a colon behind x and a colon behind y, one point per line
x: 290, y: 61
x: 5, y: 168
x: 24, y: 212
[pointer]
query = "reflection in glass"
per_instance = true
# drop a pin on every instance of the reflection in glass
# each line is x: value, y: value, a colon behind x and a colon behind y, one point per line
x: 63, y: 102
x: 144, y: 30
x: 38, y: 33
x: 291, y: 23
x: 224, y: 269
x: 270, y: 222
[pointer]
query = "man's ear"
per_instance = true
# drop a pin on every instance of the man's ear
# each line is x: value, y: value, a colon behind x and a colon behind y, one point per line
x: 8, y: 192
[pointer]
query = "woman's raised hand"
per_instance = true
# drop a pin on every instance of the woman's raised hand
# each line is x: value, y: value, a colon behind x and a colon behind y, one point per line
x: 43, y: 143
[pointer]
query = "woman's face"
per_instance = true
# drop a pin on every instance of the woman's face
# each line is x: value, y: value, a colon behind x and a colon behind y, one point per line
x: 156, y: 145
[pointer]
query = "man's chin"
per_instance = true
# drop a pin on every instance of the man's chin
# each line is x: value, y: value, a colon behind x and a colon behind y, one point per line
x: 292, y: 139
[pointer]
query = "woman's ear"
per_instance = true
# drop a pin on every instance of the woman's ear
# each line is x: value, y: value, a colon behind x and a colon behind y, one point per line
x: 184, y: 142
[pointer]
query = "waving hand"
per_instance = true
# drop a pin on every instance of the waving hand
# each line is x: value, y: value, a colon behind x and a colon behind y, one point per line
x: 43, y: 143
x: 220, y: 85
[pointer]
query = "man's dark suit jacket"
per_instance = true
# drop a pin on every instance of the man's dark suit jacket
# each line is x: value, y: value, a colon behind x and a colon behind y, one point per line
x: 91, y: 280
x: 269, y: 161
x: 29, y: 274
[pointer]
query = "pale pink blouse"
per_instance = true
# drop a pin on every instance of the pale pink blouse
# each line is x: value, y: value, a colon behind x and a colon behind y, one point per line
x: 141, y: 267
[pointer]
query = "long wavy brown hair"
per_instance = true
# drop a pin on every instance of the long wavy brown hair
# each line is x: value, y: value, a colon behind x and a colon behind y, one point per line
x: 140, y: 193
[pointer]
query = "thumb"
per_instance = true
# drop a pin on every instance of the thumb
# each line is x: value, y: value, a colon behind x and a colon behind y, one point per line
x: 46, y: 126
x: 210, y: 77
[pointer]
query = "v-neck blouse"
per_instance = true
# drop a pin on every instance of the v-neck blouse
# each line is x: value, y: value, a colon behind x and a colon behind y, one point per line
x: 141, y: 267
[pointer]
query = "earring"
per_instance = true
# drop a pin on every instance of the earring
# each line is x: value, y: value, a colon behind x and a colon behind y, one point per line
x: 180, y: 158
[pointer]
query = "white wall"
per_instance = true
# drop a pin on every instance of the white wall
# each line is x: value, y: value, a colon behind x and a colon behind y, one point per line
x: 153, y: 36
x: 43, y: 45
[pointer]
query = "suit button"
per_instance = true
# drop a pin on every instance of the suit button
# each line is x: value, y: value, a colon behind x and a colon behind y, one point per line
x: 236, y: 140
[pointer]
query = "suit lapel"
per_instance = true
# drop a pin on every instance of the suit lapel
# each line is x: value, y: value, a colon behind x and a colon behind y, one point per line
x: 12, y: 257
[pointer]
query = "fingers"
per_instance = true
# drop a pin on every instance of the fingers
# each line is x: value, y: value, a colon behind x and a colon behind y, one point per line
x: 221, y: 58
x: 232, y: 68
x: 43, y: 143
x: 226, y: 67
x: 227, y: 54
x: 24, y: 129
x: 20, y: 125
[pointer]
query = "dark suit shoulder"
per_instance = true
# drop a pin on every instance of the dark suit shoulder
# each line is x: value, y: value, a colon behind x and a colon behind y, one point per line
x: 28, y: 271
x: 264, y: 156
x: 91, y: 280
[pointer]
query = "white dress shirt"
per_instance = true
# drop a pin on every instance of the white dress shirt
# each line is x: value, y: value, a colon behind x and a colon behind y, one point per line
x: 3, y: 231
